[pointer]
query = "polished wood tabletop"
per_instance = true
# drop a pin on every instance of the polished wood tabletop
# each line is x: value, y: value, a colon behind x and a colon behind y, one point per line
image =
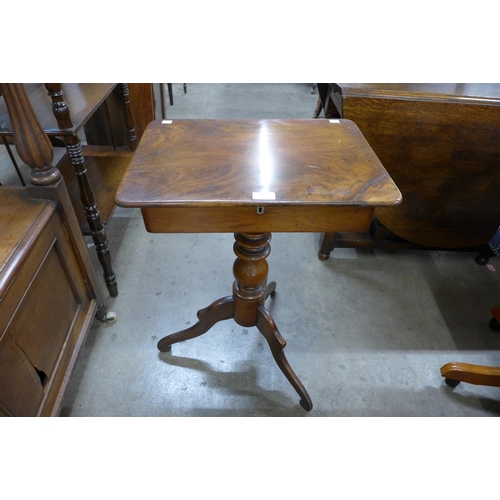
x: 295, y: 171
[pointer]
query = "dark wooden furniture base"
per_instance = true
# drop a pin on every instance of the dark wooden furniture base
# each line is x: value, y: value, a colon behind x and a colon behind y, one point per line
x: 246, y: 306
x: 378, y: 237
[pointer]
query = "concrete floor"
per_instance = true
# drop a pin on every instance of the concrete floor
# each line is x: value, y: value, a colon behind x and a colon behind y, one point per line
x: 367, y: 331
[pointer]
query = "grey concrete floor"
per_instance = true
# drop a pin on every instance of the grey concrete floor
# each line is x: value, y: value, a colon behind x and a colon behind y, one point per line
x: 367, y: 330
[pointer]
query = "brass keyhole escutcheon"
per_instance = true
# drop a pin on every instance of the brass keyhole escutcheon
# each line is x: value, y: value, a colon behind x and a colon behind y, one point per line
x: 260, y: 210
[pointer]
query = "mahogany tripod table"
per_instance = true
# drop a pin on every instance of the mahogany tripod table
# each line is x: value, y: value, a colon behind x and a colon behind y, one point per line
x: 251, y: 178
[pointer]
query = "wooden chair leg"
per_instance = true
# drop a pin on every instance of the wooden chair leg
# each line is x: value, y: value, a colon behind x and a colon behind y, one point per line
x: 162, y: 100
x: 170, y: 94
x: 170, y: 97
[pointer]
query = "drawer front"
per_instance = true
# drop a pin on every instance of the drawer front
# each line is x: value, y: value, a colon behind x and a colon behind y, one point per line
x: 246, y: 219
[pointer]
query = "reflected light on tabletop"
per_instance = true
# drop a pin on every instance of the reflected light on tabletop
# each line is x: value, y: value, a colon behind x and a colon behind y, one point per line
x: 266, y: 163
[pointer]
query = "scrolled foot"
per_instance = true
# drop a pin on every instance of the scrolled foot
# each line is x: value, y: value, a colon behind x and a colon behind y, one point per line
x: 306, y: 404
x: 218, y: 311
x: 267, y: 326
x: 271, y: 289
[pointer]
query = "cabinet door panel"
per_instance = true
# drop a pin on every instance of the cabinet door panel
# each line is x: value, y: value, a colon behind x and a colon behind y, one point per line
x: 21, y: 390
x: 44, y: 316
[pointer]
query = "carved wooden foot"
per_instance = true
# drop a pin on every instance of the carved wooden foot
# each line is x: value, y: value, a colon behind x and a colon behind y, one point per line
x: 270, y: 289
x: 327, y: 245
x: 277, y: 343
x: 218, y: 311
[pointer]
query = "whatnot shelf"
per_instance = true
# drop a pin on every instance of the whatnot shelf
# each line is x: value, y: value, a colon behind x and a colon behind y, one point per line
x: 105, y: 168
x: 92, y: 173
x: 82, y: 99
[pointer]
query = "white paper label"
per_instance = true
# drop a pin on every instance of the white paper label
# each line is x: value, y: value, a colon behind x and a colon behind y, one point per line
x: 334, y: 121
x: 166, y: 122
x: 263, y: 195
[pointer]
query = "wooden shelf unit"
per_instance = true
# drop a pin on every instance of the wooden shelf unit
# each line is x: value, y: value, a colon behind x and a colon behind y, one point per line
x: 106, y: 113
x: 82, y: 99
x: 105, y: 168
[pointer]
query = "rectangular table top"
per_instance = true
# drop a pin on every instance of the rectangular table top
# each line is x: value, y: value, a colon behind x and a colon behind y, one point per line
x: 232, y: 162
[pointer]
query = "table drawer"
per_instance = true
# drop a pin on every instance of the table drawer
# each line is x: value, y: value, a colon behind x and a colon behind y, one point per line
x: 275, y: 218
